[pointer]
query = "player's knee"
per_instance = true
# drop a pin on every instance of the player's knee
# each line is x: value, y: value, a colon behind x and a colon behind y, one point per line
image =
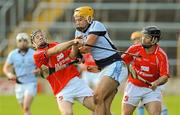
x: 126, y: 111
x: 115, y: 91
x: 155, y: 112
x: 26, y: 109
x: 98, y: 99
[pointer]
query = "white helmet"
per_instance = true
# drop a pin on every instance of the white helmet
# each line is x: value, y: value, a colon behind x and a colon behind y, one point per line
x: 21, y: 36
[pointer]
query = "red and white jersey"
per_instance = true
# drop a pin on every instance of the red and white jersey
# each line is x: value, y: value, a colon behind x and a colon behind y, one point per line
x: 59, y: 79
x: 148, y: 66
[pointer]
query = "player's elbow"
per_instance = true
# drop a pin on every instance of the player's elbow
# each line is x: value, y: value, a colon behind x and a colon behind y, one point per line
x: 164, y: 80
x: 5, y: 68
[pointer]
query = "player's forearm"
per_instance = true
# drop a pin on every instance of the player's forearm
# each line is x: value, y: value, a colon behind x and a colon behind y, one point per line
x: 162, y: 80
x: 60, y: 47
x: 74, y: 52
x: 91, y: 40
x: 8, y: 72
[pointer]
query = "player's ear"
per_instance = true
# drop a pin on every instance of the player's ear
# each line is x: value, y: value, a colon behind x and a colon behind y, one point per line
x: 34, y: 45
x: 89, y: 19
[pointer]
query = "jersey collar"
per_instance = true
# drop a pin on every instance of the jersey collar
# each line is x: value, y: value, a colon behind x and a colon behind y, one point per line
x: 87, y: 28
x: 23, y: 52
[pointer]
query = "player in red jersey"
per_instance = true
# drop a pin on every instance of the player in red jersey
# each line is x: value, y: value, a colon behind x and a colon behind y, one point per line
x: 136, y: 39
x: 65, y: 82
x: 153, y: 69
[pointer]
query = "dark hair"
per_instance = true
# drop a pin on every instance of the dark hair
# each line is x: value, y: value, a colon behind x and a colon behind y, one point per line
x: 33, y: 33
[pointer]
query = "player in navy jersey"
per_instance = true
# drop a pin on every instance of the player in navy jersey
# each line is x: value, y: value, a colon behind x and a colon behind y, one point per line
x: 113, y: 70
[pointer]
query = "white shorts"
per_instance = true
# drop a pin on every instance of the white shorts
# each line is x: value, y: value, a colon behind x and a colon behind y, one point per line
x: 117, y: 71
x: 25, y: 89
x: 76, y: 89
x: 134, y: 94
x: 162, y: 87
x: 90, y: 78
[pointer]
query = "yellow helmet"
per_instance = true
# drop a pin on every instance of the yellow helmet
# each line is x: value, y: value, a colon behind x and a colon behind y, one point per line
x: 84, y: 11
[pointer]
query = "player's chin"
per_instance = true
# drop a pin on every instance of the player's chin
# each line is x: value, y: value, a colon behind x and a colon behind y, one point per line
x: 43, y: 44
x: 80, y: 29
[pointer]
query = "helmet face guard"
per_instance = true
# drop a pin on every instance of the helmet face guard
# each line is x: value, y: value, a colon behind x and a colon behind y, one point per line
x: 153, y: 32
x: 33, y: 35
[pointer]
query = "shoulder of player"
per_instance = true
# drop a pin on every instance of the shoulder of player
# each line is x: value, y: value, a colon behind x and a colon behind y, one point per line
x: 136, y: 46
x: 38, y: 53
x: 97, y: 23
x: 161, y: 53
x: 97, y: 28
x: 14, y: 52
x: 31, y: 50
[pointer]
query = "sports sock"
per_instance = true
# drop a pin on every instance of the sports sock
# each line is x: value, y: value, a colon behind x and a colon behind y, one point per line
x: 164, y: 110
x: 140, y: 110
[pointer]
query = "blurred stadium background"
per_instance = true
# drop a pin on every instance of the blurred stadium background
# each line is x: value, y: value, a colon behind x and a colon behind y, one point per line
x: 122, y: 17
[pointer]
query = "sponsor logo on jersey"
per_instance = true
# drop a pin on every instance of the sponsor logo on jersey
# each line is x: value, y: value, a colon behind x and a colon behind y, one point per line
x: 60, y: 56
